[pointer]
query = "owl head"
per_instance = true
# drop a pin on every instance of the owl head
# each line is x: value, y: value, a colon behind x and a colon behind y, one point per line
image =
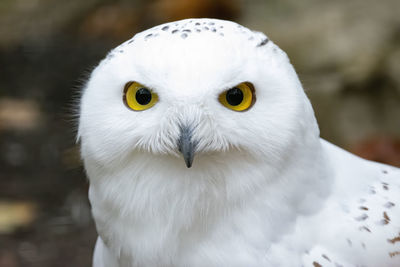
x: 192, y: 95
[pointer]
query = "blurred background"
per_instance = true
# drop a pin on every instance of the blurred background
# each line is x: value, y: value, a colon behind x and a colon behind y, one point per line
x: 347, y: 54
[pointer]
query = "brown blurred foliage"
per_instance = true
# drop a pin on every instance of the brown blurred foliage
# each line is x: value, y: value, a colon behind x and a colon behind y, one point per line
x: 168, y: 10
x: 381, y: 149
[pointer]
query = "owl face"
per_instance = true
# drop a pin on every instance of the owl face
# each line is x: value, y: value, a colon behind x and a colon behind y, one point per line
x: 188, y: 93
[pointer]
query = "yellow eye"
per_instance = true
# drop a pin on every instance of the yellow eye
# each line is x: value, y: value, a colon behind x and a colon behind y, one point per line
x: 238, y: 98
x: 138, y: 97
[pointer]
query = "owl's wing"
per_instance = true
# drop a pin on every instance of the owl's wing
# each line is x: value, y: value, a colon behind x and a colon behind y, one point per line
x: 360, y: 223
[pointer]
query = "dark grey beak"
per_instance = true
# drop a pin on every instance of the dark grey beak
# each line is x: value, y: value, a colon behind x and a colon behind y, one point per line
x: 186, y: 145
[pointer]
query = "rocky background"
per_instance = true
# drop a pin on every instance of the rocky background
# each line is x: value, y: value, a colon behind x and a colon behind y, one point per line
x: 347, y: 54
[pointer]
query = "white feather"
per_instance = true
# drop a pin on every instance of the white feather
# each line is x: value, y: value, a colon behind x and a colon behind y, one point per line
x: 264, y: 189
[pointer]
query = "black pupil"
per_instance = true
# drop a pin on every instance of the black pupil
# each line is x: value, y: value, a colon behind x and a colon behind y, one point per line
x: 234, y: 96
x: 143, y: 96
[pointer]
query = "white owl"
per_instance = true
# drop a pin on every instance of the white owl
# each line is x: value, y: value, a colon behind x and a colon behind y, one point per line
x: 203, y: 150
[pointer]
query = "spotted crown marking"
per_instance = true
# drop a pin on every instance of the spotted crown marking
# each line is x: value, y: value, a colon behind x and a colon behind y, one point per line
x: 185, y: 28
x: 263, y: 42
x: 195, y: 26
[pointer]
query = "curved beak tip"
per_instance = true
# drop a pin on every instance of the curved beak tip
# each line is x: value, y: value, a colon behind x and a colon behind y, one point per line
x: 188, y: 163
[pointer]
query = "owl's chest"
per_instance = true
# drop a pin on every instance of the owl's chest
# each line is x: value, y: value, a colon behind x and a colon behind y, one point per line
x: 198, y: 221
x: 243, y: 237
